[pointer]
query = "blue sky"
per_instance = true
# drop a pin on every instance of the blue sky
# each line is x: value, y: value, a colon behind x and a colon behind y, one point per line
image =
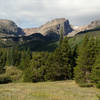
x: 33, y: 13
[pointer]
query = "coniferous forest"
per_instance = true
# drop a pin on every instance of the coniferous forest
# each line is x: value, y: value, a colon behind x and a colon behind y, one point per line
x: 79, y: 62
x: 49, y: 50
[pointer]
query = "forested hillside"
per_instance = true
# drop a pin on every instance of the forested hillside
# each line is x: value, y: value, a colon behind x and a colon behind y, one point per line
x: 71, y: 58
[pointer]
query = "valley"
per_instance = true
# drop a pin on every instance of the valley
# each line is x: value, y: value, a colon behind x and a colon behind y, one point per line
x: 57, y: 61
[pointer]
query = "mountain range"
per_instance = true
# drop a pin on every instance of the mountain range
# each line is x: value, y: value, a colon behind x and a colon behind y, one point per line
x: 56, y: 24
x: 12, y: 35
x: 10, y: 28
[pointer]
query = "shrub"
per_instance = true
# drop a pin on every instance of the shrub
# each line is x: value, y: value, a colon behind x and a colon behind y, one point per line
x: 4, y: 79
x: 14, y: 73
x: 86, y: 85
x: 98, y: 85
x: 28, y: 75
x: 98, y: 96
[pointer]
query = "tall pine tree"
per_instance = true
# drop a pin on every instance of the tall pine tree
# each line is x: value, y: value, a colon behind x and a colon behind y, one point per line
x: 61, y: 63
x: 85, y: 61
x: 61, y: 35
x: 96, y: 69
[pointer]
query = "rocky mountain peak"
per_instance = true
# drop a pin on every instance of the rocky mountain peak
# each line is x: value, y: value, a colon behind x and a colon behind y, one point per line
x: 9, y: 27
x: 55, y: 22
x: 78, y: 29
x: 53, y: 25
x: 94, y: 24
x: 7, y: 22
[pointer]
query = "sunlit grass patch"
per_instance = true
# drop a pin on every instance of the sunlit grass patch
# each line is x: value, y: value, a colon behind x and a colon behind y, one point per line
x: 61, y: 90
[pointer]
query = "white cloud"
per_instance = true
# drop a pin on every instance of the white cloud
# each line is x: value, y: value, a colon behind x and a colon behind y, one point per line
x: 30, y: 13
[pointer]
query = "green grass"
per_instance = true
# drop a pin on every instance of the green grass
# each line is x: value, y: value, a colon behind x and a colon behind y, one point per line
x: 61, y: 90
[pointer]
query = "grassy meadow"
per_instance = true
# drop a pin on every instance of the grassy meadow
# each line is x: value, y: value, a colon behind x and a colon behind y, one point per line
x: 60, y: 90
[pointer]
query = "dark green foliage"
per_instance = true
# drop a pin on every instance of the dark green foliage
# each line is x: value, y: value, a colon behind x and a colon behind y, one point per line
x: 74, y: 58
x: 4, y: 79
x: 65, y: 59
x: 39, y: 45
x: 61, y: 36
x: 80, y: 69
x: 51, y: 35
x: 25, y: 59
x: 53, y: 66
x: 13, y: 57
x: 98, y: 96
x: 80, y: 51
x: 60, y: 63
x: 10, y: 56
x: 2, y: 59
x: 86, y: 85
x: 85, y: 61
x: 96, y: 72
x: 98, y: 84
x: 36, y: 71
x: 28, y: 75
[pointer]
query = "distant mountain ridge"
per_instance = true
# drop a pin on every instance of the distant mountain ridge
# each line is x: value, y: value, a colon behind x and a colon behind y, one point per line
x: 51, y: 28
x: 54, y: 25
x: 43, y: 38
x: 10, y: 28
x: 79, y: 29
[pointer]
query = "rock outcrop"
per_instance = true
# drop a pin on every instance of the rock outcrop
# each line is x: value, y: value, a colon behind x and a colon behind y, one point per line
x: 54, y: 26
x: 78, y: 29
x: 50, y: 29
x: 30, y: 31
x: 9, y: 27
x: 94, y: 24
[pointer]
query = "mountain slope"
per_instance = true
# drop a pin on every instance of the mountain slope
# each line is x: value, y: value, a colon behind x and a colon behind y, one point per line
x: 77, y: 39
x: 11, y: 35
x: 10, y: 28
x: 83, y: 29
x: 54, y: 26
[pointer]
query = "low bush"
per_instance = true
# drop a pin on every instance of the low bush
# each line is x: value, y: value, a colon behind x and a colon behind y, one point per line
x: 86, y: 85
x: 98, y: 96
x: 98, y: 85
x: 4, y: 79
x: 14, y: 73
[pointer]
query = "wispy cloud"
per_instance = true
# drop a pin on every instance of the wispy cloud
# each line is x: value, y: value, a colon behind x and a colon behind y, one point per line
x: 30, y: 13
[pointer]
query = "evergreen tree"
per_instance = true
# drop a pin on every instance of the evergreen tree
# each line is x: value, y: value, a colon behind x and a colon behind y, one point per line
x: 52, y: 67
x: 60, y: 63
x: 66, y: 59
x: 61, y: 35
x: 36, y: 70
x: 74, y: 58
x: 10, y: 57
x: 85, y: 61
x: 25, y: 59
x: 96, y: 70
x: 2, y: 60
x: 17, y: 57
x: 13, y: 57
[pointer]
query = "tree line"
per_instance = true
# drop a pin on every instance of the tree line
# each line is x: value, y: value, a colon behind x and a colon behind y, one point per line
x: 81, y: 63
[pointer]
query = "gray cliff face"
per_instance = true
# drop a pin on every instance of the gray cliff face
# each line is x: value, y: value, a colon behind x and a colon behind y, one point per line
x: 67, y: 27
x: 54, y: 26
x: 94, y: 24
x: 78, y: 29
x: 9, y: 27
